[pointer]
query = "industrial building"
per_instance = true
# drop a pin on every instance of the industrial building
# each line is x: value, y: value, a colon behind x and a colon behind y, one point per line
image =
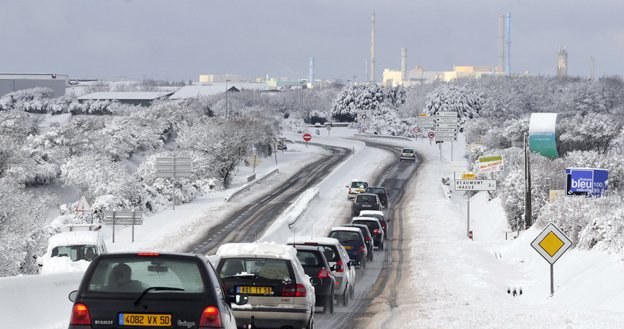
x: 143, y: 98
x: 10, y: 82
x: 562, y: 63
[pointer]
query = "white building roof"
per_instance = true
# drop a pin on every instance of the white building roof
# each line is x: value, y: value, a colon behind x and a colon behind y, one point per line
x: 215, y: 89
x: 122, y: 95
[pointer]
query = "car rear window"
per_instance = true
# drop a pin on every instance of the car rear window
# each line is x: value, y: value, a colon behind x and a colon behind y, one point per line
x: 272, y: 269
x: 375, y: 190
x: 331, y: 253
x: 369, y: 223
x: 139, y: 273
x: 366, y: 199
x: 345, y: 236
x: 359, y: 184
x: 407, y: 151
x: 308, y: 258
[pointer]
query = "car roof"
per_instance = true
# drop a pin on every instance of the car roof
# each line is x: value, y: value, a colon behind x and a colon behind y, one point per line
x: 260, y: 249
x: 365, y: 194
x: 73, y: 238
x: 307, y: 247
x: 364, y: 218
x: 318, y: 239
x: 346, y: 228
x: 371, y: 212
x: 370, y: 186
x: 356, y: 225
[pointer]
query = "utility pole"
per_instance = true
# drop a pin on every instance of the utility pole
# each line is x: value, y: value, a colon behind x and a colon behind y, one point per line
x: 527, y: 184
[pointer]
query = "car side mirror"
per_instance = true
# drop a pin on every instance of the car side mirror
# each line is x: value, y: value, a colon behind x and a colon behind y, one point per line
x: 72, y: 296
x: 353, y: 263
x: 335, y: 267
x: 315, y: 282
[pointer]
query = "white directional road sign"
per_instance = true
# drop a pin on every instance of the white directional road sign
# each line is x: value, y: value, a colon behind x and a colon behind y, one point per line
x: 446, y: 119
x: 475, y: 185
x: 125, y: 217
x: 174, y: 166
x: 447, y: 114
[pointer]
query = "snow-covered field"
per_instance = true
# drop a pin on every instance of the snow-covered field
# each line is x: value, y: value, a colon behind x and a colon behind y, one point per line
x: 448, y: 280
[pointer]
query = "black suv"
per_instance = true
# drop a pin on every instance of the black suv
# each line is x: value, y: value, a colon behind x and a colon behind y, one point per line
x: 368, y: 238
x: 381, y: 193
x: 150, y: 289
x: 365, y: 201
x: 315, y: 265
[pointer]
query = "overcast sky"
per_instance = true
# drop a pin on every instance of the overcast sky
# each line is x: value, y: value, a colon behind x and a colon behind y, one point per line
x: 180, y: 39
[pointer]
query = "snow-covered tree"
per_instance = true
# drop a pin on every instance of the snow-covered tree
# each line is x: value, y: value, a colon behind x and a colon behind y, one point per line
x: 450, y: 98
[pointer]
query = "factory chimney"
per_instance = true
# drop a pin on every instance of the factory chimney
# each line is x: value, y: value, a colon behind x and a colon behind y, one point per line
x: 311, y: 73
x: 501, y: 44
x: 403, y: 65
x: 372, y: 50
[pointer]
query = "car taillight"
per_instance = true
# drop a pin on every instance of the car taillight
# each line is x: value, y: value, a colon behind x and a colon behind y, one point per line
x: 368, y: 238
x: 323, y: 274
x: 362, y: 248
x: 294, y: 290
x: 210, y: 318
x: 376, y: 231
x: 340, y: 266
x: 80, y: 315
x: 349, y: 190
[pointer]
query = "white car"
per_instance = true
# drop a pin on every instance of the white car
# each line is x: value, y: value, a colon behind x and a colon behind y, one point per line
x: 72, y: 250
x: 338, y: 258
x: 279, y: 293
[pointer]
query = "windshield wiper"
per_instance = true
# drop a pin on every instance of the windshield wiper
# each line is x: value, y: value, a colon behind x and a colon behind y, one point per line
x: 136, y: 302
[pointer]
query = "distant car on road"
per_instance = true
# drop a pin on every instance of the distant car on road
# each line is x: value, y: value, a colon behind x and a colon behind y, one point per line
x: 315, y: 265
x: 352, y: 239
x: 368, y: 238
x: 357, y: 186
x: 407, y: 153
x: 146, y: 289
x: 72, y: 250
x: 365, y: 201
x: 380, y: 216
x: 342, y: 265
x: 374, y: 226
x: 381, y: 193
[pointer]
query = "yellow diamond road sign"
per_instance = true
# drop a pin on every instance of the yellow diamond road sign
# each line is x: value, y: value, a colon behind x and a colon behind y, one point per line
x: 551, y: 243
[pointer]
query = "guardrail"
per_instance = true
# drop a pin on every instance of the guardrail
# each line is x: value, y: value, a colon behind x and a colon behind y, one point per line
x: 247, y: 185
x: 382, y: 136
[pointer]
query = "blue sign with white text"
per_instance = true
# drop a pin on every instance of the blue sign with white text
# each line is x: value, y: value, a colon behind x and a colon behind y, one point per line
x: 586, y: 181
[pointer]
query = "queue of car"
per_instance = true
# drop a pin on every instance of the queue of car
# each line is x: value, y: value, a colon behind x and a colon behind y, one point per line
x: 244, y: 285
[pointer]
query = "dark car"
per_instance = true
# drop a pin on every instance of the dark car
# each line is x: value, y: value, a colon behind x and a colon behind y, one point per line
x: 380, y: 216
x: 375, y: 228
x: 381, y: 193
x: 365, y: 201
x: 352, y: 240
x: 315, y: 265
x: 122, y: 290
x: 368, y: 238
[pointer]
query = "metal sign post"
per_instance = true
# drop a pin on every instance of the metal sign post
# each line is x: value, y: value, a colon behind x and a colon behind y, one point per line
x: 471, y: 186
x: 124, y: 217
x: 173, y: 167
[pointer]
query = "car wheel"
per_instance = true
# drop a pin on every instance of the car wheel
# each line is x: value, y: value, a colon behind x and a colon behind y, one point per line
x: 329, y: 304
x: 363, y: 262
x: 311, y: 322
x: 370, y: 256
x: 381, y: 246
x: 345, y: 296
x: 351, y: 291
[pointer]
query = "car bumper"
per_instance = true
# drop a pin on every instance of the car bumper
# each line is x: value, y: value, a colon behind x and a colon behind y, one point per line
x: 273, y: 317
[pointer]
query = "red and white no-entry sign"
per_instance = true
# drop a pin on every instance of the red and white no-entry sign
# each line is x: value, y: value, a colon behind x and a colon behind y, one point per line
x: 431, y: 134
x: 307, y: 137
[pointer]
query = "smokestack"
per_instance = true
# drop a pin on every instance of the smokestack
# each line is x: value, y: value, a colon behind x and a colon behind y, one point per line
x: 501, y: 44
x: 403, y: 64
x: 311, y: 72
x: 372, y: 54
x: 508, y: 42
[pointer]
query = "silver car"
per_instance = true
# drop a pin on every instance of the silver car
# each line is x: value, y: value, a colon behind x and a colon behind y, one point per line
x: 270, y: 278
x: 337, y: 257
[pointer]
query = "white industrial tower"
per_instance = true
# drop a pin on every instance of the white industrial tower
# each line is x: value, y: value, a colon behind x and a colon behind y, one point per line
x: 372, y: 50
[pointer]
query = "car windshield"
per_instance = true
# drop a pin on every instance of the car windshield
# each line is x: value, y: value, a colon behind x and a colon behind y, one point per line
x: 76, y: 252
x: 136, y: 274
x: 272, y: 269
